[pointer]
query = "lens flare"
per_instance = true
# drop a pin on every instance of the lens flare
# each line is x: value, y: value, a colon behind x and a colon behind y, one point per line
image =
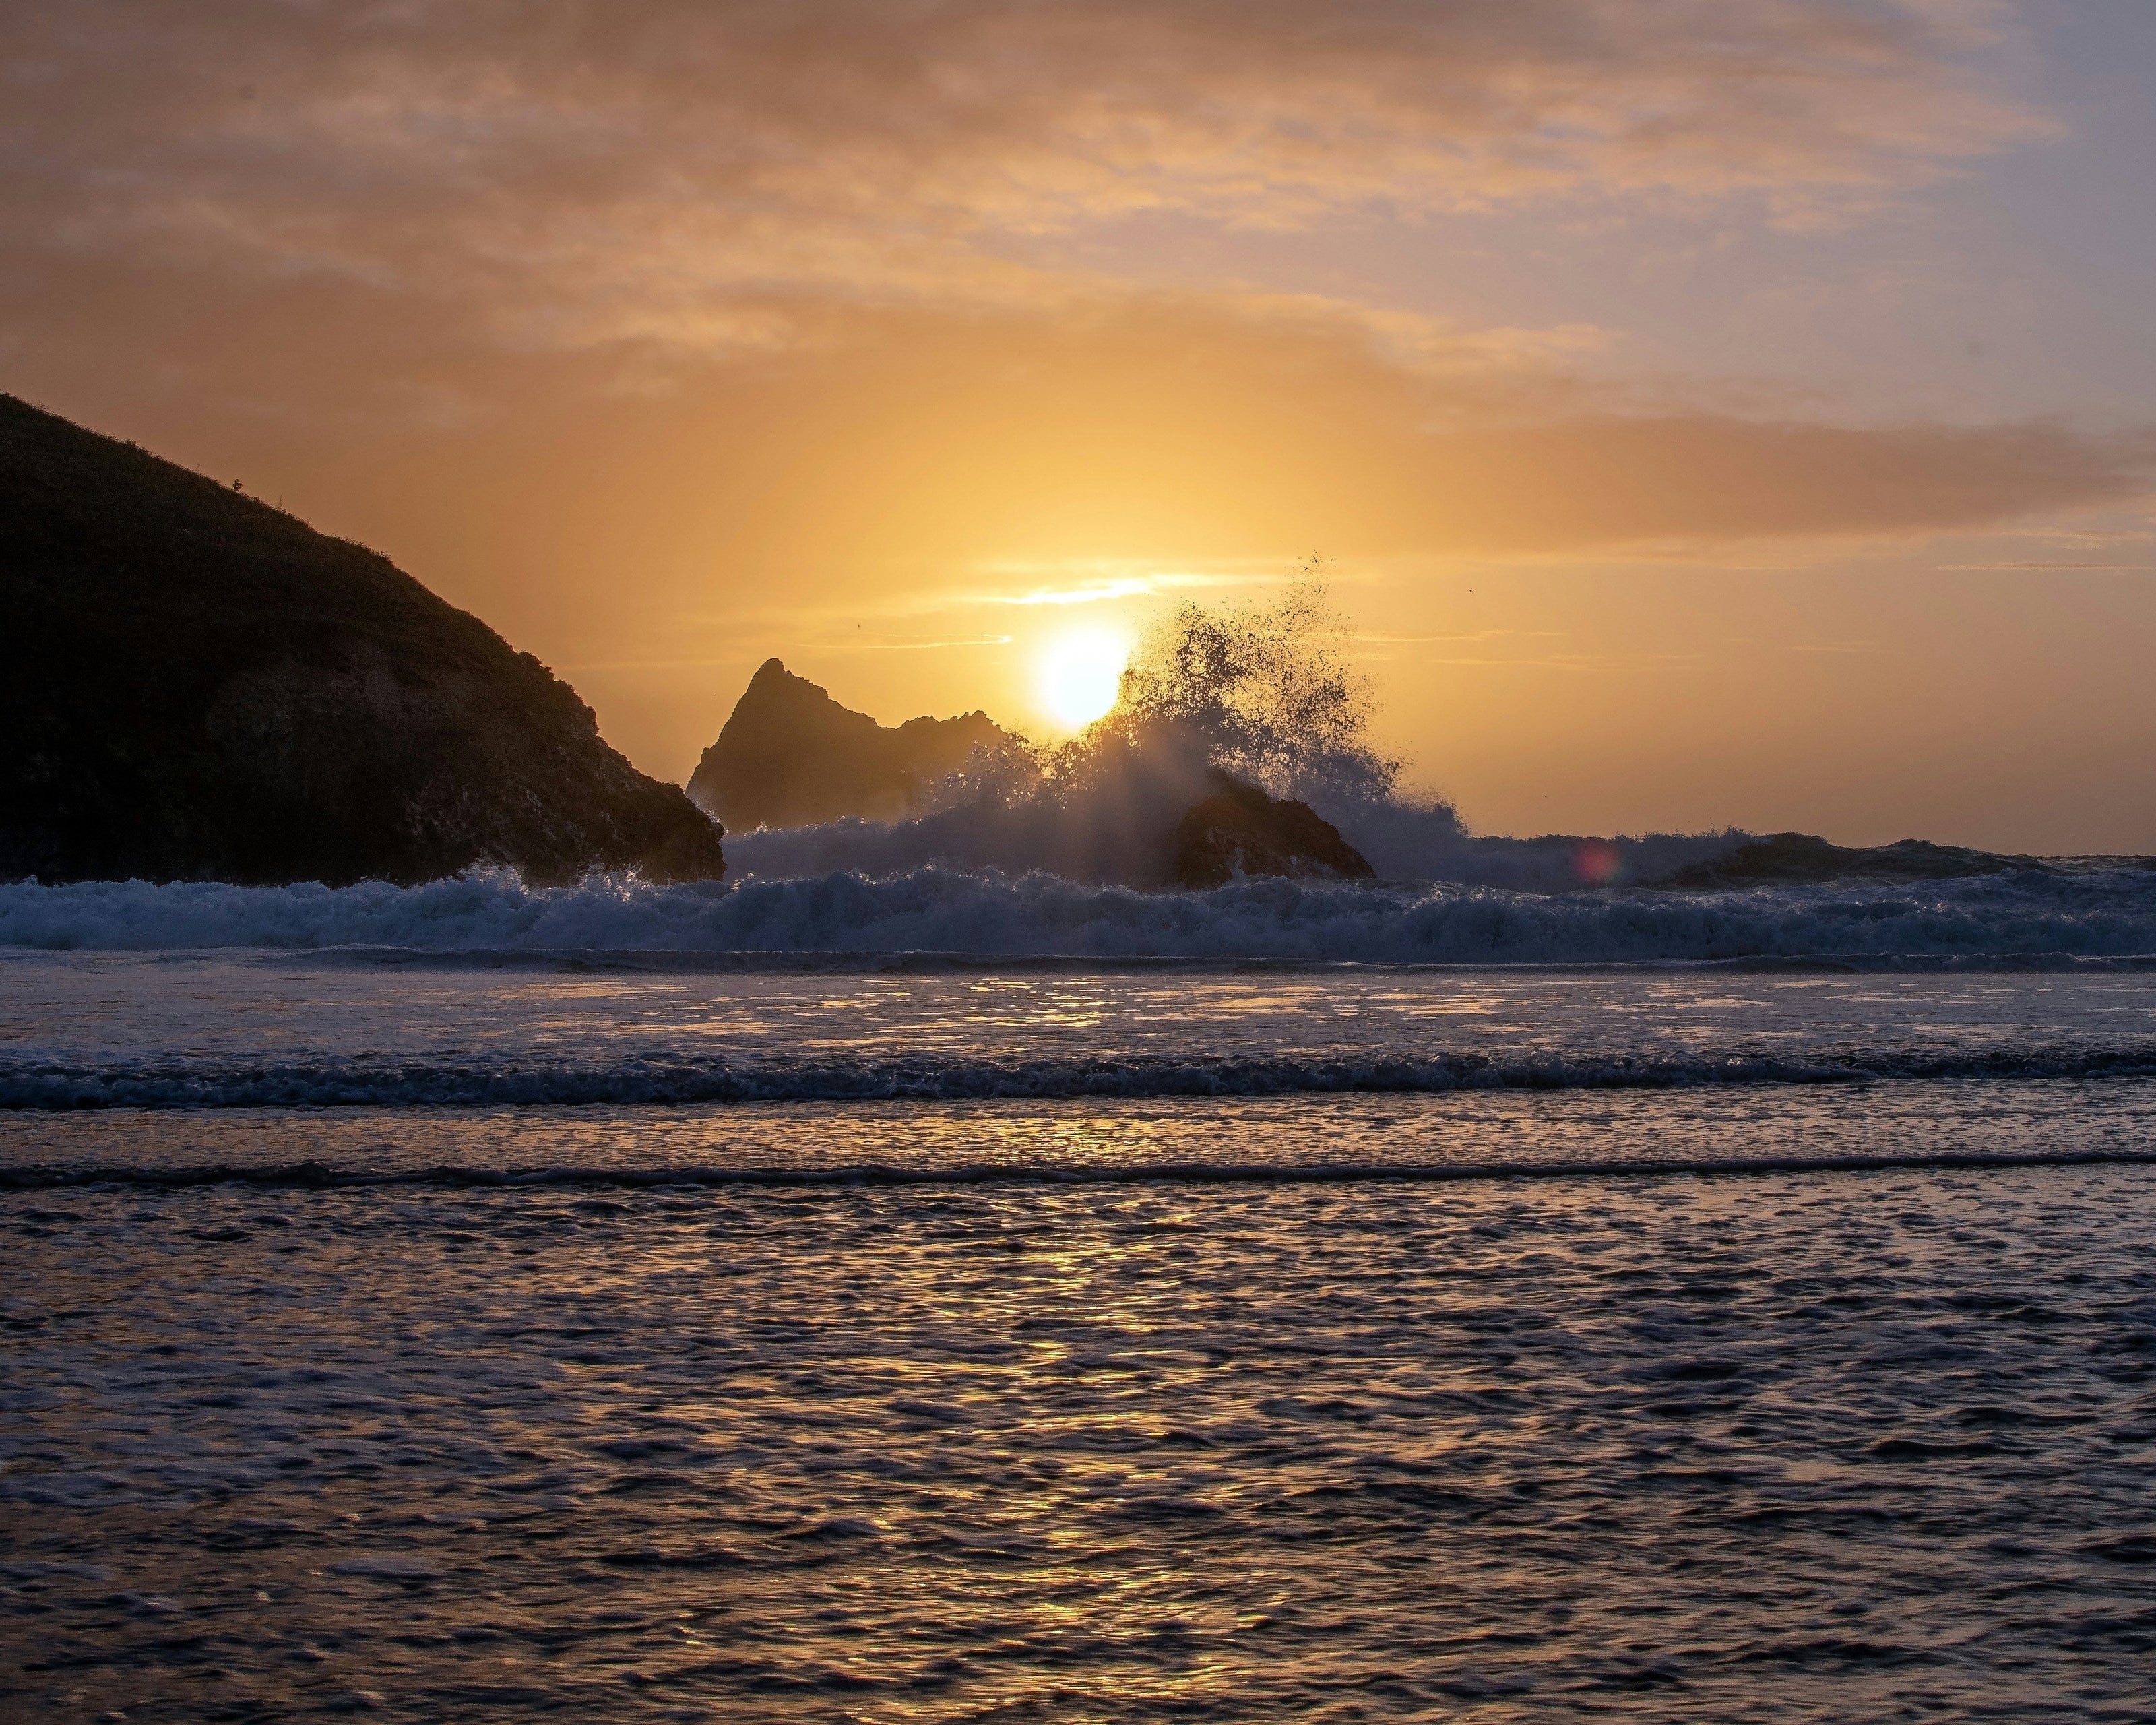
x: 1081, y: 676
x: 1598, y: 863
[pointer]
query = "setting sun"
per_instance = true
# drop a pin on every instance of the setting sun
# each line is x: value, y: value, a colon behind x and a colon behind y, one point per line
x: 1081, y: 675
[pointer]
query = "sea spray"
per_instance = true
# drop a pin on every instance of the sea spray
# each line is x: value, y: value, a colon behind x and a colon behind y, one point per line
x: 1262, y: 694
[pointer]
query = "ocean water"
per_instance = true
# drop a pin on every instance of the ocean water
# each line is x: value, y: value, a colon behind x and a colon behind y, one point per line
x: 963, y: 1298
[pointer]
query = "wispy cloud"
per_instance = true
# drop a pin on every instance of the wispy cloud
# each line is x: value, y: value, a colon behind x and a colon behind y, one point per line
x: 1595, y: 662
x: 1126, y: 586
x: 2036, y: 565
x: 843, y: 646
x: 1479, y: 635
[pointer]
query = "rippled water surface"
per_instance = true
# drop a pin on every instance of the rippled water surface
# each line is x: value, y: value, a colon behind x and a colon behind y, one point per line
x: 1382, y: 1388
x: 1780, y: 1447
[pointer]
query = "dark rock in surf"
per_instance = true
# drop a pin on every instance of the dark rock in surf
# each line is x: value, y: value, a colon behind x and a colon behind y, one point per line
x: 1238, y: 830
x: 194, y: 685
x: 789, y: 756
x: 1796, y: 859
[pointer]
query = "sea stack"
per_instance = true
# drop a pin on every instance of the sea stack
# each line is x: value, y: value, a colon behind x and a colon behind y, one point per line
x: 790, y: 756
x: 194, y: 685
x: 1238, y: 830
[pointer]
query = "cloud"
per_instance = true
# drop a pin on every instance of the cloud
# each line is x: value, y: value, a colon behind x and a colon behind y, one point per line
x: 804, y: 289
x: 690, y: 170
x: 1708, y: 479
x: 913, y: 458
x: 1109, y: 591
x: 2028, y: 567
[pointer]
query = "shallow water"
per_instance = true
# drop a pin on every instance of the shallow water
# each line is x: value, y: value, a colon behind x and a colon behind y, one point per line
x: 215, y: 1029
x: 1396, y: 1383
x: 1821, y: 1447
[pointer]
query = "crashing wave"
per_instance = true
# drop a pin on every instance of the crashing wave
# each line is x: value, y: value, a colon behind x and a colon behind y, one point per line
x: 1261, y: 695
x: 2013, y: 918
x: 1242, y: 701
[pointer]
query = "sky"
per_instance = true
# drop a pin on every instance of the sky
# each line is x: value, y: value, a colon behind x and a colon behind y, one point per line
x: 1707, y: 413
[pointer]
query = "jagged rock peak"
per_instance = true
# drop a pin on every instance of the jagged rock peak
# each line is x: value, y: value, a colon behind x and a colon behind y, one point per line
x: 791, y: 755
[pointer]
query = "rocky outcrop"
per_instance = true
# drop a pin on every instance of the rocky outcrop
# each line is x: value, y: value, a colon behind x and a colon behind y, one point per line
x: 1795, y: 859
x: 789, y: 756
x: 1238, y: 830
x: 196, y: 687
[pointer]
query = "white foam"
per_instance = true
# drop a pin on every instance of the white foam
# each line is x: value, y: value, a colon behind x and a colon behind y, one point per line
x: 2006, y: 917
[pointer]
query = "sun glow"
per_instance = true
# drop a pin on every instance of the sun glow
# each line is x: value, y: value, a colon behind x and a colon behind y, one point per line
x: 1081, y: 675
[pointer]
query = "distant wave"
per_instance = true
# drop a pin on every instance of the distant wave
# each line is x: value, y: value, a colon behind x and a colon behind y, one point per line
x: 668, y: 1078
x: 2013, y: 919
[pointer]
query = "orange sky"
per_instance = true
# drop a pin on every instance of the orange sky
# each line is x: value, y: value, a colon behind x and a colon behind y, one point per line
x: 1710, y: 413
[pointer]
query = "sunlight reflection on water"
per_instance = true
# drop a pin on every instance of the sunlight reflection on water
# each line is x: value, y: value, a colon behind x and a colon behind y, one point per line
x: 1135, y: 1426
x: 1787, y: 1448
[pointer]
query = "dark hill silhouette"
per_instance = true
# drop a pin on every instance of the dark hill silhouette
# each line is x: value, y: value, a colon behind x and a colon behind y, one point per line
x: 789, y: 756
x: 194, y: 685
